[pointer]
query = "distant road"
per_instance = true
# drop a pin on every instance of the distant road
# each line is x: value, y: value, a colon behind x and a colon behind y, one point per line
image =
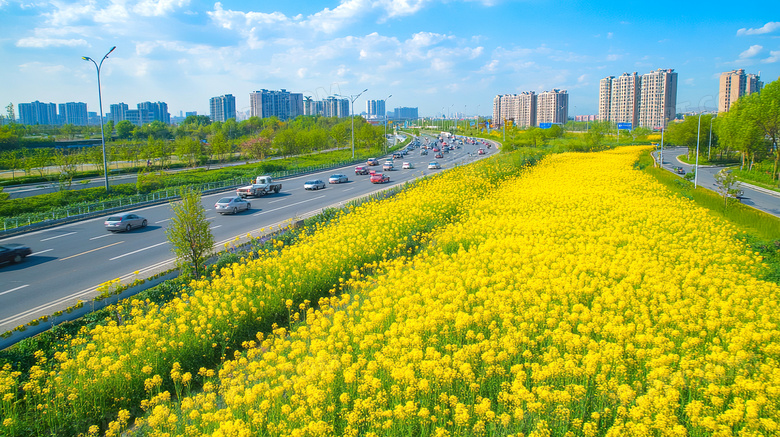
x: 759, y: 198
x: 70, y: 261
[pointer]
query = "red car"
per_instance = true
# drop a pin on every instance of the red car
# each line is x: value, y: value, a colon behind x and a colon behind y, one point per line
x: 361, y: 170
x: 438, y: 155
x: 481, y: 151
x: 379, y: 178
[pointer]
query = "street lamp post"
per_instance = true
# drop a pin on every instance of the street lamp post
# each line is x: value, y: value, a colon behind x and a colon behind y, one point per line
x: 352, y: 101
x: 100, y: 102
x: 696, y: 167
x: 388, y: 97
x: 709, y: 146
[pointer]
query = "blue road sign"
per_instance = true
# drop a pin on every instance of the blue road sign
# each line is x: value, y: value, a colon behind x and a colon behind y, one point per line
x: 545, y: 125
x: 626, y: 126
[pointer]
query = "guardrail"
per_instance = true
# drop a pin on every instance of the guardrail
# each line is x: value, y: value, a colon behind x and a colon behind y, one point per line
x: 58, y: 216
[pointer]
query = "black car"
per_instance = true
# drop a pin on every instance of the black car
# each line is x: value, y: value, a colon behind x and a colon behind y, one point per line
x: 13, y: 253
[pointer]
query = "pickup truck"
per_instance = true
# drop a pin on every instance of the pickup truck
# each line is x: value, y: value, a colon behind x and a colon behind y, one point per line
x: 260, y: 186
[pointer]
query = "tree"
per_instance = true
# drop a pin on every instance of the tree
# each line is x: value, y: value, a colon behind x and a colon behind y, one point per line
x: 737, y: 131
x: 765, y: 110
x: 189, y: 234
x: 286, y: 141
x: 257, y: 147
x: 727, y: 184
x: 188, y: 149
x: 124, y: 129
x: 66, y: 163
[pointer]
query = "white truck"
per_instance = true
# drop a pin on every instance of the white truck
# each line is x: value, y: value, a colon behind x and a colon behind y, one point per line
x: 260, y: 186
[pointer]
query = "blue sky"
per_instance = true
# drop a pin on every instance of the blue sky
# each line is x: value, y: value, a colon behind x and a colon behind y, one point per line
x: 450, y: 56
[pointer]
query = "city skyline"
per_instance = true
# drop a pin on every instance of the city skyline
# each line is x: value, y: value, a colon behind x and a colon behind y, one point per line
x: 442, y: 57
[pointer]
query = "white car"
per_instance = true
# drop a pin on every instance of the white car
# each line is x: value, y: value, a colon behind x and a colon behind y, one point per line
x: 232, y: 205
x: 407, y: 165
x: 434, y: 166
x: 387, y: 166
x: 314, y: 184
x: 338, y: 178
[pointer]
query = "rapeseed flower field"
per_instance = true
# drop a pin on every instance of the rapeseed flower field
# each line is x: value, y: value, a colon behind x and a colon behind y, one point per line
x: 576, y: 298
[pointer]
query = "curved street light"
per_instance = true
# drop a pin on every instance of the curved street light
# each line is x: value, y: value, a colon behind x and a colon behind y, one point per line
x: 386, y: 99
x: 100, y: 101
x: 352, y: 101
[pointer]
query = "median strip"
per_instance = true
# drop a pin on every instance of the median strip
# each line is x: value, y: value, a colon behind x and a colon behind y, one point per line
x: 98, y: 248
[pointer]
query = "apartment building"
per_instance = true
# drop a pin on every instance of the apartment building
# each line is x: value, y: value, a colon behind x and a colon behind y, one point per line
x: 552, y: 107
x: 649, y: 100
x: 521, y: 109
x: 375, y: 109
x: 74, y: 113
x: 222, y: 108
x: 38, y: 113
x: 281, y: 104
x: 735, y: 84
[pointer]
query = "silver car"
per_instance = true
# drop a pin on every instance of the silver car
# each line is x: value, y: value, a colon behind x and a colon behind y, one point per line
x: 232, y: 205
x: 314, y: 184
x: 338, y: 179
x: 124, y: 222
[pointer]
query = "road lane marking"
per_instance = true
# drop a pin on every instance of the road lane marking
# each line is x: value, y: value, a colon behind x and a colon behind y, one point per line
x: 215, y: 227
x: 42, y: 251
x: 139, y: 250
x: 84, y: 253
x: 14, y: 289
x: 162, y: 221
x: 58, y: 236
x: 101, y: 236
x: 287, y: 206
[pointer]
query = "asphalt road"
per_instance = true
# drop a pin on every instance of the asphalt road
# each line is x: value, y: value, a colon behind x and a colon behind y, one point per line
x: 69, y: 262
x: 758, y: 198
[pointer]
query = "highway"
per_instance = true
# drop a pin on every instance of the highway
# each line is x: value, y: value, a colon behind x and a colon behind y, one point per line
x: 69, y: 262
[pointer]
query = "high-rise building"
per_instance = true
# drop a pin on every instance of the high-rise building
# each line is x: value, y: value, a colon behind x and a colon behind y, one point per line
x: 118, y: 112
x: 74, y: 113
x: 519, y: 108
x: 405, y: 113
x: 282, y: 104
x: 649, y: 100
x: 552, y: 107
x: 619, y: 99
x: 657, y: 98
x: 139, y: 117
x: 38, y: 113
x: 222, y: 107
x: 157, y: 111
x: 375, y: 109
x: 735, y: 84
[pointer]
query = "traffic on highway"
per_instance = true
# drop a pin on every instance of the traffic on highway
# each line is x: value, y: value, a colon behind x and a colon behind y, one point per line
x: 69, y: 262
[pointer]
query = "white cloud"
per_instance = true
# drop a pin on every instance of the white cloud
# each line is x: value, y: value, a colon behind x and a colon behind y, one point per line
x: 331, y: 20
x: 609, y: 35
x: 490, y: 67
x: 38, y: 42
x: 37, y: 68
x: 401, y: 8
x: 751, y: 52
x: 774, y: 56
x: 613, y: 57
x: 766, y: 28
x: 158, y: 8
x: 230, y: 19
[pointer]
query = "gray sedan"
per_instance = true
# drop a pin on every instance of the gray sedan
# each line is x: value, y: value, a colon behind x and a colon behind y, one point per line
x: 124, y: 222
x: 314, y: 184
x: 231, y: 205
